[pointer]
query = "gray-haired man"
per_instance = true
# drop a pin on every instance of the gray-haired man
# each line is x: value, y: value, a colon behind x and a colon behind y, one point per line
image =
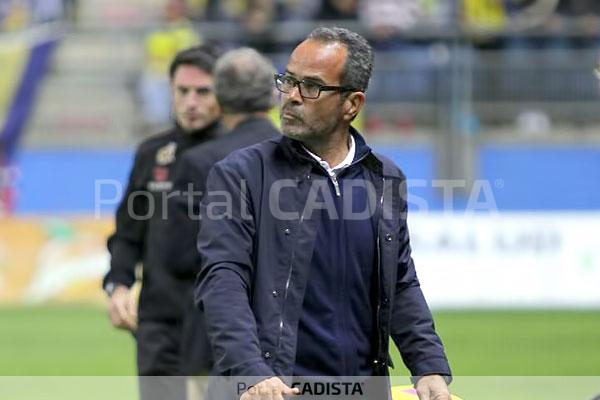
x: 243, y: 84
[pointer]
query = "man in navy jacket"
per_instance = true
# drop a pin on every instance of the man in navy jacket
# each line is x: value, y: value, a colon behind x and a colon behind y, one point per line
x: 305, y: 257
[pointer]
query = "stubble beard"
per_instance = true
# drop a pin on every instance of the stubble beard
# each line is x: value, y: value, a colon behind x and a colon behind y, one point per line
x: 193, y: 127
x: 297, y: 130
x: 303, y: 132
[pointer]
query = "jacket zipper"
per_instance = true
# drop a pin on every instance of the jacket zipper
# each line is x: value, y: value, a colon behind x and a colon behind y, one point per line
x: 287, y: 286
x: 334, y: 179
x: 289, y: 278
x: 379, y: 277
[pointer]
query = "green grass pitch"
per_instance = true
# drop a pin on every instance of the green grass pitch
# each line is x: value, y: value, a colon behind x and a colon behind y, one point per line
x: 79, y: 341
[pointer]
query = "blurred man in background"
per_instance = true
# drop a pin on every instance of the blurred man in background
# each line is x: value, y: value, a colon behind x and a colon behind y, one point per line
x: 243, y: 81
x: 140, y: 226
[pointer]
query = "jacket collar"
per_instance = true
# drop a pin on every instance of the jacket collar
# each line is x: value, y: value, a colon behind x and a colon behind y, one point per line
x: 294, y: 150
x: 252, y: 121
x: 380, y: 165
x: 198, y: 136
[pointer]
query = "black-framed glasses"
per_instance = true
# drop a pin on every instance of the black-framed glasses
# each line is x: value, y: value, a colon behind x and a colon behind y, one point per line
x: 308, y: 89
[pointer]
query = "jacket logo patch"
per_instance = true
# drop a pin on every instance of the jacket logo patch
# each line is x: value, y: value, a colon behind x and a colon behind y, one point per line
x: 166, y: 154
x: 160, y: 174
x: 160, y: 180
x: 162, y: 186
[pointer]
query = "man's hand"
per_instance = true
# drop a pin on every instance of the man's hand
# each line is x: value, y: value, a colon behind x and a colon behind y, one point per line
x: 121, y: 309
x: 432, y: 387
x: 269, y: 389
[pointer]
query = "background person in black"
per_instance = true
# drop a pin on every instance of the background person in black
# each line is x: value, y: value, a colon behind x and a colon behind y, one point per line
x: 141, y: 218
x: 245, y: 91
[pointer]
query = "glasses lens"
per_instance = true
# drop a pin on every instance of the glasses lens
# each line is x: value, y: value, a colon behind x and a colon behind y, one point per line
x: 283, y: 83
x: 309, y: 90
x: 286, y: 84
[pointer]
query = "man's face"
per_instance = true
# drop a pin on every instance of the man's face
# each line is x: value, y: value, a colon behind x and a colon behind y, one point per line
x: 309, y: 120
x: 194, y: 101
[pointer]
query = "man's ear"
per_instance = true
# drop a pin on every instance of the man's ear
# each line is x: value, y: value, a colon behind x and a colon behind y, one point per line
x: 352, y: 105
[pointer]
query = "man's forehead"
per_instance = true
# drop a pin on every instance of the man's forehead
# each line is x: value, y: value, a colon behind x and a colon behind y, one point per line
x: 191, y: 75
x: 316, y: 59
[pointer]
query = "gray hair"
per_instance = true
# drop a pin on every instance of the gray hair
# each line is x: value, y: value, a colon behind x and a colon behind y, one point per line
x: 359, y: 62
x: 244, y: 81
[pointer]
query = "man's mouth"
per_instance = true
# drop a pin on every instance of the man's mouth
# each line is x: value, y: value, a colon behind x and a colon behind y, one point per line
x: 290, y: 116
x: 193, y: 117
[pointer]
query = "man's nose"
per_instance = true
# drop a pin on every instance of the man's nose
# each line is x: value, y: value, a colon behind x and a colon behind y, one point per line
x: 192, y: 100
x: 294, y: 95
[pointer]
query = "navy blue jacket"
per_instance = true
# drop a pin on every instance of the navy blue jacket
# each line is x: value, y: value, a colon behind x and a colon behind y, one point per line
x: 190, y: 174
x: 335, y: 332
x: 256, y: 248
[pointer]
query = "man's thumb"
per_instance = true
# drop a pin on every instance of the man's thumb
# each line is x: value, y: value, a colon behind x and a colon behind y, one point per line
x: 291, y: 390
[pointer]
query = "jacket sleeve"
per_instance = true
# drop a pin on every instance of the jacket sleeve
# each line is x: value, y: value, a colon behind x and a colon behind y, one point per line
x: 183, y: 220
x: 412, y: 327
x: 126, y: 244
x: 224, y: 285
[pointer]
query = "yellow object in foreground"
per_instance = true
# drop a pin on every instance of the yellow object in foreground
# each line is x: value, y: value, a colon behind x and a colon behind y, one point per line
x: 409, y: 393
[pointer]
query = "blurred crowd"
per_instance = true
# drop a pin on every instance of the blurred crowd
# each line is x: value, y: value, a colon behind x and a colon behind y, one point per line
x: 386, y: 20
x: 413, y: 33
x: 381, y: 20
x: 393, y: 14
x: 416, y: 35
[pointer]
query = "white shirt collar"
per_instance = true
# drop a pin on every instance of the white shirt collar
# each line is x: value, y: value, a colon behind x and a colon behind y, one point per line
x: 346, y: 162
